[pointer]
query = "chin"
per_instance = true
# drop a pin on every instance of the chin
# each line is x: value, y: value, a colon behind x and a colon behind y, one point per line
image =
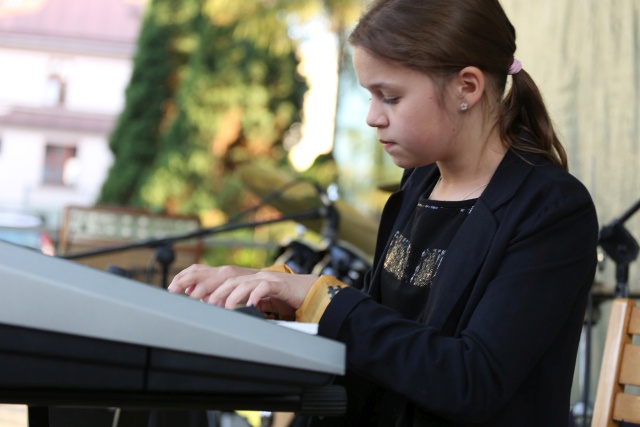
x: 407, y: 163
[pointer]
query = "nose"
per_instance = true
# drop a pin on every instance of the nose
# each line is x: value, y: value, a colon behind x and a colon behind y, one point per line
x: 376, y: 117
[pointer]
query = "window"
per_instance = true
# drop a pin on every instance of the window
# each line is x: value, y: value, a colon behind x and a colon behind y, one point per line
x: 57, y: 157
x: 55, y: 91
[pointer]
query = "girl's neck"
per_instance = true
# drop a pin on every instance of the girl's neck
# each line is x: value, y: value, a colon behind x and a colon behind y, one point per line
x: 468, y: 174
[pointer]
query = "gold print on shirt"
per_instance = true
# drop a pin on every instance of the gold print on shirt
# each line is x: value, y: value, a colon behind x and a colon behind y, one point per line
x: 397, y: 256
x: 428, y: 267
x: 396, y: 262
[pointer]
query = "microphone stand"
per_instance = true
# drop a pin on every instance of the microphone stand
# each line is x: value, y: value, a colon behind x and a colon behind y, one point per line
x: 165, y: 254
x: 330, y: 230
x: 620, y: 246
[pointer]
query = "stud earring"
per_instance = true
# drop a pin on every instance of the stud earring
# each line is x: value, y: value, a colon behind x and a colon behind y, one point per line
x: 464, y: 106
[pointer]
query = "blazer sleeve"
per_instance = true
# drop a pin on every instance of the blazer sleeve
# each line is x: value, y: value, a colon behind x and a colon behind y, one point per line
x: 537, y: 288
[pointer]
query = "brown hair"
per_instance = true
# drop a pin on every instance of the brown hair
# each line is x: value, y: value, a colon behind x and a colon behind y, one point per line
x: 441, y: 37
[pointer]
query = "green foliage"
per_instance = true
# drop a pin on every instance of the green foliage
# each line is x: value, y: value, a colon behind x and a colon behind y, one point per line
x: 214, y: 85
x: 134, y: 141
x: 235, y: 101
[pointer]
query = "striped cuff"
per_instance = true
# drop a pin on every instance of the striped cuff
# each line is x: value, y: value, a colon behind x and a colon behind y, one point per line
x: 318, y: 298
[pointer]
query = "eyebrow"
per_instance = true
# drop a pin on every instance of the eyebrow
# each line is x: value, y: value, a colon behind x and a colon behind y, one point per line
x: 380, y: 86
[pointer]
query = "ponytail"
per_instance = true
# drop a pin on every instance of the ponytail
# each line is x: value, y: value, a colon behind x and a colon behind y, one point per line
x: 523, y: 109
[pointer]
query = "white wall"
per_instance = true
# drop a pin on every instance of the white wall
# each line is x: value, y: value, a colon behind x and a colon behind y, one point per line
x: 21, y: 166
x: 21, y: 160
x: 94, y: 85
x: 97, y: 84
x: 22, y: 77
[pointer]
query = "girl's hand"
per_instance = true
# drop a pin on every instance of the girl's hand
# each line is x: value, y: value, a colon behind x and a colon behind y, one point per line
x: 228, y: 286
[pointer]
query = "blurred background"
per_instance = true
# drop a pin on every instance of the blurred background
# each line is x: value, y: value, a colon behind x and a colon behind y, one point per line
x: 125, y: 120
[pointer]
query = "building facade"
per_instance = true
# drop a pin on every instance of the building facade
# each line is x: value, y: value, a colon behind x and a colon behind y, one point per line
x: 64, y: 68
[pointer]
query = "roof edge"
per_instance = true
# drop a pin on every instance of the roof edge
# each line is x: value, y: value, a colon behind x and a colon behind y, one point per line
x: 78, y: 46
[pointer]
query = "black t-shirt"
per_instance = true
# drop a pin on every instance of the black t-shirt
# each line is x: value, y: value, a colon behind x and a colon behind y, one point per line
x: 414, y: 255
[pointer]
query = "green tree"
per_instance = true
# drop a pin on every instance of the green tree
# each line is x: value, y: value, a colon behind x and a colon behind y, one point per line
x: 237, y: 98
x: 214, y: 86
x: 161, y: 52
x: 210, y: 87
x: 133, y: 141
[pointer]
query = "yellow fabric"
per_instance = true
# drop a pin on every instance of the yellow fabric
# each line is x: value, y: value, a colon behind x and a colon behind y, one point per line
x: 318, y: 298
x: 280, y: 268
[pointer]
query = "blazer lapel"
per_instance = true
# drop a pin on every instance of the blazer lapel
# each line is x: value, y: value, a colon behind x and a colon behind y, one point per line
x: 468, y: 250
x: 460, y: 265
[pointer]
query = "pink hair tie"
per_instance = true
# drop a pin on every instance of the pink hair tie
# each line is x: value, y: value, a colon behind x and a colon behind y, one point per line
x: 515, y: 67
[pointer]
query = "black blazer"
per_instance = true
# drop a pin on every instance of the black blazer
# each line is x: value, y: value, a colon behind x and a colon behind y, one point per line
x: 496, y: 344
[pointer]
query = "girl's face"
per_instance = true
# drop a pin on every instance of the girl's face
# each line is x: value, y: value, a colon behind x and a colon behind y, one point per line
x: 416, y: 124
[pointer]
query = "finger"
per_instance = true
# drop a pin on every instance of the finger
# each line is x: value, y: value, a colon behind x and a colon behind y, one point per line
x: 180, y: 281
x: 175, y: 287
x: 277, y: 299
x: 191, y: 288
x: 221, y: 293
x: 191, y: 277
x: 257, y: 287
x: 181, y: 285
x: 198, y: 282
x: 261, y: 297
x: 203, y: 288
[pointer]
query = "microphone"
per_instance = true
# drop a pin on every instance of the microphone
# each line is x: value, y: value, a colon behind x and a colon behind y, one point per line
x: 616, y: 240
x: 619, y: 244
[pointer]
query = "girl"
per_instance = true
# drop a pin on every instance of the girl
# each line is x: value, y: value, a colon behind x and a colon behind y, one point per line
x: 471, y: 315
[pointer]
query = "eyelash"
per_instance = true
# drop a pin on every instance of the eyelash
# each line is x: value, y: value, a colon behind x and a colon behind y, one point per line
x: 388, y: 101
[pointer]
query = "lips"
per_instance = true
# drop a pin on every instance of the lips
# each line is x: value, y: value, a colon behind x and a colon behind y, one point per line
x: 387, y: 144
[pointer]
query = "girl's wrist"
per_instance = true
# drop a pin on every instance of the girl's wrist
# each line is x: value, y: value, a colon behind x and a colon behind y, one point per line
x: 318, y: 298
